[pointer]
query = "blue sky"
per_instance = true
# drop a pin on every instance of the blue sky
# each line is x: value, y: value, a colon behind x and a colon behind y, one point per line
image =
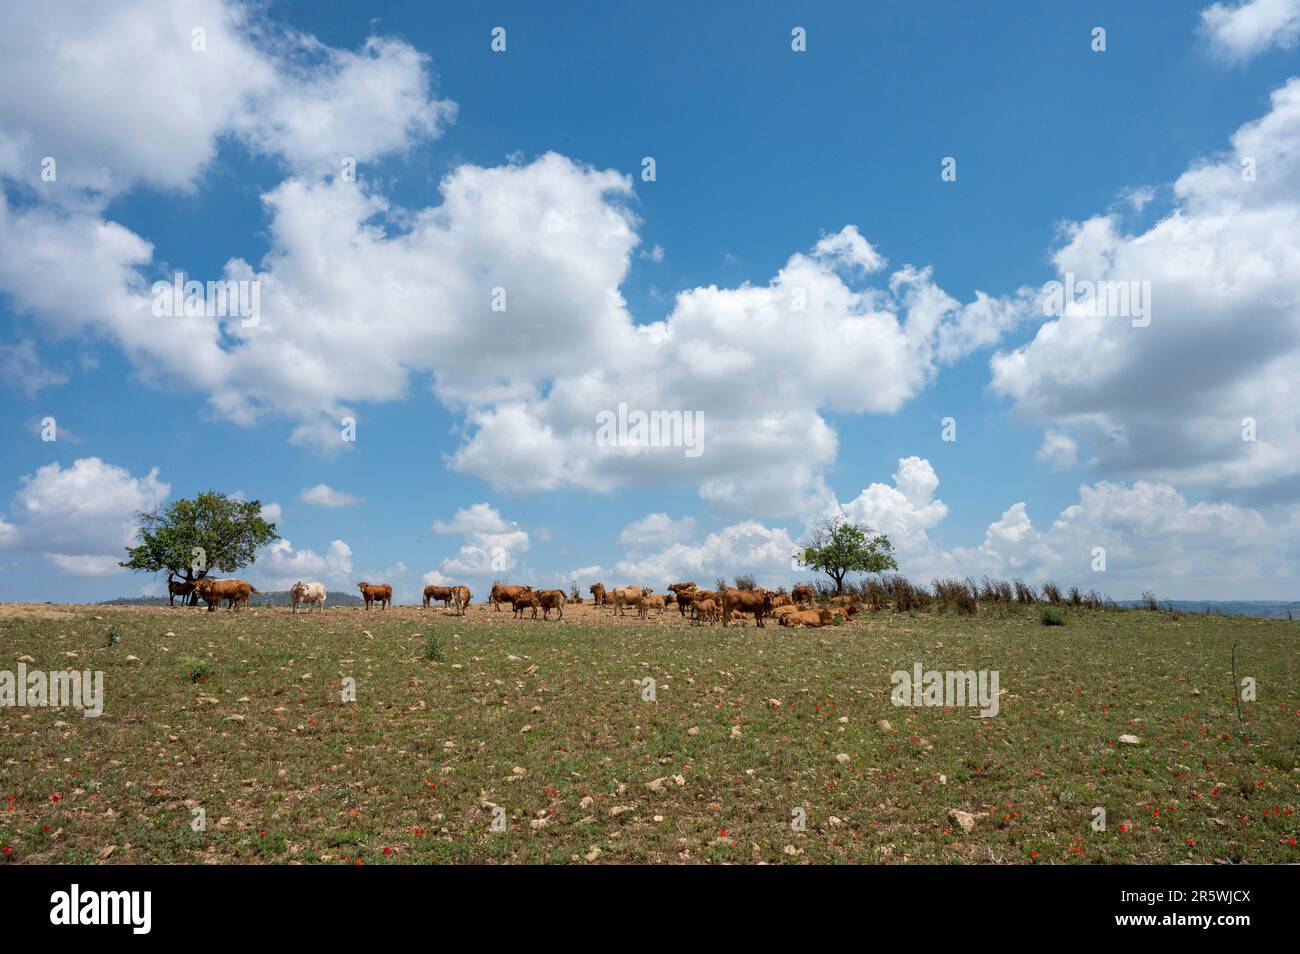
x: 761, y: 153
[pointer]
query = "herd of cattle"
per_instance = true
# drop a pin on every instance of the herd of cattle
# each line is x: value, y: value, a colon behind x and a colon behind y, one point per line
x: 705, y: 607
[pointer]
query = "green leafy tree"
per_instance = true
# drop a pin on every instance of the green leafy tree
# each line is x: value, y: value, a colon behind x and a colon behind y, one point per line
x: 838, y: 547
x: 193, y: 538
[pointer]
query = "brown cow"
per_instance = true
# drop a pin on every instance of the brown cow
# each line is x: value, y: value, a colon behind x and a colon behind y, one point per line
x: 437, y: 593
x: 821, y: 617
x: 628, y: 596
x: 551, y: 600
x: 501, y: 593
x: 175, y: 589
x: 235, y: 592
x: 598, y: 593
x: 699, y: 596
x: 781, y: 612
x: 782, y: 599
x: 648, y: 603
x: 682, y: 593
x: 460, y: 598
x: 803, y: 593
x: 706, y: 611
x: 381, y: 593
x: 756, y: 601
x: 524, y: 601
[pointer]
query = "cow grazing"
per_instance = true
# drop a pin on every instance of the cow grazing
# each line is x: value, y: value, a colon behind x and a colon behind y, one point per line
x: 597, y: 591
x: 501, y: 593
x: 235, y: 592
x: 821, y: 617
x: 525, y: 600
x: 803, y: 594
x: 443, y: 593
x: 757, y: 601
x: 381, y: 593
x: 313, y: 594
x: 175, y: 589
x: 460, y: 598
x: 551, y: 600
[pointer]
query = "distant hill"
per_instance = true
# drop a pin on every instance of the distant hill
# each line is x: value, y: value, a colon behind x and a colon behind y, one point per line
x: 275, y: 598
x: 1266, y: 609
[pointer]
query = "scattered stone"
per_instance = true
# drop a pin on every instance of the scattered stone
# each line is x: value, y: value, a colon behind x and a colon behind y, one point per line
x: 965, y: 819
x: 235, y: 718
x: 593, y: 854
x: 1130, y: 740
x: 884, y: 726
x: 843, y: 758
x: 693, y: 730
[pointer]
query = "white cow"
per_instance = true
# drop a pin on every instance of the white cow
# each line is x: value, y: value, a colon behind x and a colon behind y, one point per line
x: 308, y: 593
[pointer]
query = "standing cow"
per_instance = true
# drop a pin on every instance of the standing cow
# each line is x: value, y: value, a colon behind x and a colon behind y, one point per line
x: 313, y: 594
x: 460, y: 598
x: 178, y: 588
x: 758, y: 602
x: 501, y: 593
x: 381, y: 593
x: 432, y: 593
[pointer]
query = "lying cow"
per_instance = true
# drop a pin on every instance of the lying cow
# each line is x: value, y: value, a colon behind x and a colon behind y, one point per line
x: 501, y: 593
x: 821, y: 617
x: 381, y: 593
x: 313, y: 594
x: 432, y: 593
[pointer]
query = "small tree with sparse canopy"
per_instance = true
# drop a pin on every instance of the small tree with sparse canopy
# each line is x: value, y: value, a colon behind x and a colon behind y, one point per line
x: 191, y: 538
x: 838, y: 547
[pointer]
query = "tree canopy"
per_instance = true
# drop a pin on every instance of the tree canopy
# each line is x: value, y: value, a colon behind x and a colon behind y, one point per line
x: 191, y: 538
x: 838, y: 547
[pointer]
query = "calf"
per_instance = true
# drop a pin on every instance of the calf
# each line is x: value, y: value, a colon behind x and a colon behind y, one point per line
x: 705, y: 611
x: 523, y: 601
x: 648, y: 603
x: 381, y: 593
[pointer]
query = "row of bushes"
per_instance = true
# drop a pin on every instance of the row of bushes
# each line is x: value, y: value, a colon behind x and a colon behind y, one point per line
x: 961, y: 596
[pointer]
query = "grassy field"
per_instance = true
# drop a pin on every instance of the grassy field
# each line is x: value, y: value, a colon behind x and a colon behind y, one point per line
x: 548, y: 722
